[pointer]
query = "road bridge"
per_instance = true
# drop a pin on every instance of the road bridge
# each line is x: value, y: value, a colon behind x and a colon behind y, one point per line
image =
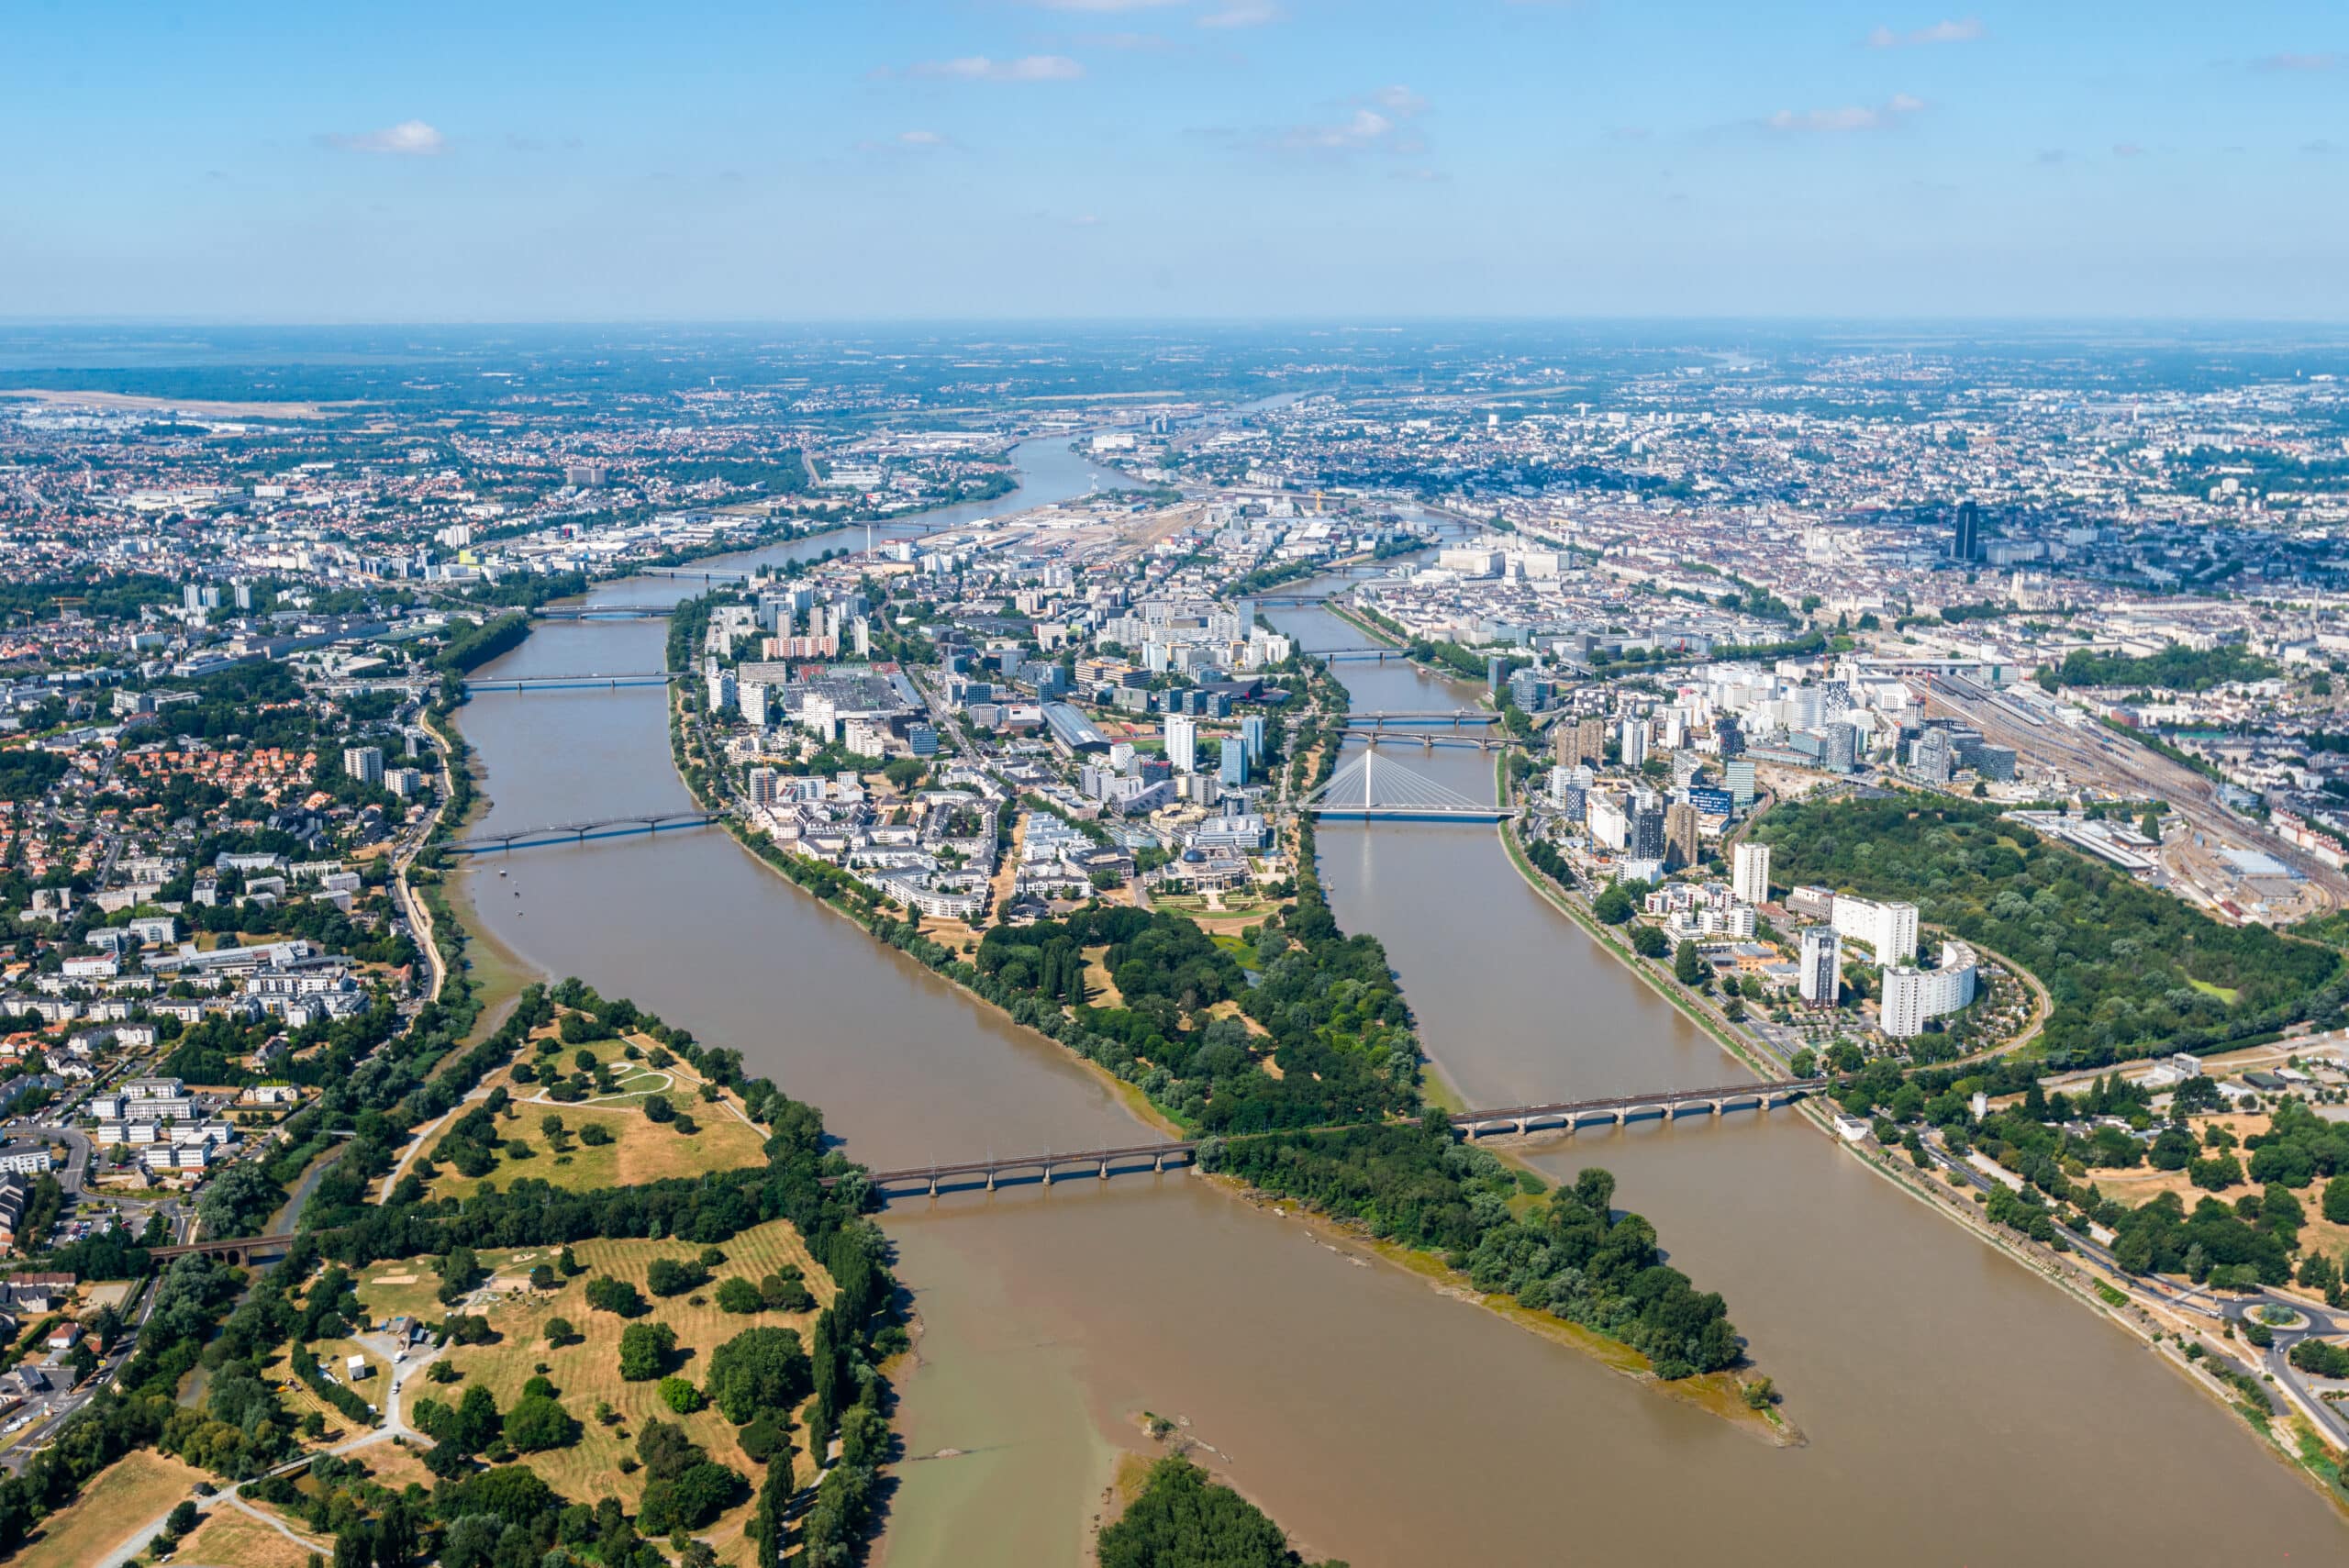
x: 992, y: 1171
x: 605, y: 612
x: 1375, y: 788
x: 573, y: 683
x: 579, y: 832
x: 1456, y: 718
x: 1426, y: 741
x: 1359, y: 655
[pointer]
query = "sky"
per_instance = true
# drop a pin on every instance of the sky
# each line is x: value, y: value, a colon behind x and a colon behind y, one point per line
x: 1232, y: 160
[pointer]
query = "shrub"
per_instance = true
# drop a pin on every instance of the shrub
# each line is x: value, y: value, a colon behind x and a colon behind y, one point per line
x: 595, y: 1135
x: 680, y: 1394
x: 738, y: 1296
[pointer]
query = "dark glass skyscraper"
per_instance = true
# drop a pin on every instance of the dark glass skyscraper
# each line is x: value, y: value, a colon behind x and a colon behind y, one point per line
x: 1965, y: 539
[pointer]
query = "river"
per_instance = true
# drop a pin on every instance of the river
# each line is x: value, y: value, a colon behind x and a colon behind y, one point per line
x: 1959, y: 1409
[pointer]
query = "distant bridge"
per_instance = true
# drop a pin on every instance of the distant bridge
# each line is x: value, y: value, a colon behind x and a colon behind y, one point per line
x: 1566, y: 1116
x: 606, y: 612
x: 1426, y: 741
x: 573, y: 683
x: 1359, y: 655
x: 689, y: 576
x: 579, y: 832
x: 1457, y: 718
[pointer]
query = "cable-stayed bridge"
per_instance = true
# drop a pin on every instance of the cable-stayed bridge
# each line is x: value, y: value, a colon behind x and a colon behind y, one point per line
x: 1376, y: 788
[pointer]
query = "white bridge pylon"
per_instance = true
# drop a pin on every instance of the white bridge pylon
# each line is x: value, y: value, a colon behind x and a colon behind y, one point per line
x: 1373, y: 785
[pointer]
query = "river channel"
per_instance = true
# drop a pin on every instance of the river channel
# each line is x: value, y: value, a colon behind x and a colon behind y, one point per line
x: 1959, y: 1410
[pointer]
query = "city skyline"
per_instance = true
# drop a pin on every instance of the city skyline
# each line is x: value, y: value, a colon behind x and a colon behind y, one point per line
x: 1177, y: 159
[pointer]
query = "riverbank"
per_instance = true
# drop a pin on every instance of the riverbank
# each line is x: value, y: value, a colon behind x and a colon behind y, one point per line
x: 2111, y: 1295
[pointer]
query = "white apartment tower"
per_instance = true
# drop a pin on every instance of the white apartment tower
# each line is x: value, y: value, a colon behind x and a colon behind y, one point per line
x: 1750, y: 874
x: 1182, y: 742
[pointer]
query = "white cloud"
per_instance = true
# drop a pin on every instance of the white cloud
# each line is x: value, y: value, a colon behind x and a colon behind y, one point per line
x: 1242, y: 13
x: 1848, y: 118
x: 921, y: 138
x: 1966, y: 30
x: 2298, y: 62
x: 1380, y: 123
x: 409, y: 138
x: 1027, y: 68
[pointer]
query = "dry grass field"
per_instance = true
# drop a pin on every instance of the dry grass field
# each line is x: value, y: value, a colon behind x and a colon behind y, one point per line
x: 232, y: 1538
x: 642, y: 1149
x: 137, y: 1489
x: 588, y: 1371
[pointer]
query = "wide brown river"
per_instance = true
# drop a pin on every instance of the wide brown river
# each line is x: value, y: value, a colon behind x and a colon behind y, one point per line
x: 1959, y: 1410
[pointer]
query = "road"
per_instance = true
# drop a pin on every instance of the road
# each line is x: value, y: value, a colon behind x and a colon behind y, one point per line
x: 2275, y: 1361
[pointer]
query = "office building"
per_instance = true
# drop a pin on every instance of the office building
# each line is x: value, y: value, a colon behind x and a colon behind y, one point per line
x: 1231, y: 770
x: 1822, y: 965
x: 1251, y: 739
x: 1889, y: 929
x: 1965, y: 535
x: 1182, y: 742
x: 1912, y: 995
x: 1738, y: 777
x: 1750, y: 874
x: 1842, y: 754
x: 364, y: 764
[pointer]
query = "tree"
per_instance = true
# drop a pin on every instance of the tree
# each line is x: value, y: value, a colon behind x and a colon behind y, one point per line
x: 739, y: 1295
x: 606, y: 1293
x: 667, y: 1276
x: 1182, y: 1518
x: 680, y: 1394
x: 658, y: 1109
x: 2336, y: 1200
x: 645, y: 1348
x: 1649, y: 942
x: 538, y: 1422
x: 767, y: 1523
x: 1687, y: 964
x: 759, y: 1368
x: 559, y: 1332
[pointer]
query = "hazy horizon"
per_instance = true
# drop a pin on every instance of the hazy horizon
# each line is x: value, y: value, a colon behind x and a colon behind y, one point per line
x: 964, y: 160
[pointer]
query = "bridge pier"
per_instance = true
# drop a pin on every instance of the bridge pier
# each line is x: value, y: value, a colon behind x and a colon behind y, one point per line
x: 990, y: 1178
x: 1105, y: 1169
x: 933, y: 1184
x: 1159, y: 1166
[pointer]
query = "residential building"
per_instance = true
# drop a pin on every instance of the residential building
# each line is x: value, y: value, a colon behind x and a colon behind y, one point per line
x: 1750, y: 874
x: 1821, y: 965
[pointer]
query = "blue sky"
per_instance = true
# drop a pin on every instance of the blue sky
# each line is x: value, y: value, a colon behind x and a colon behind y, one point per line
x: 1025, y: 159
